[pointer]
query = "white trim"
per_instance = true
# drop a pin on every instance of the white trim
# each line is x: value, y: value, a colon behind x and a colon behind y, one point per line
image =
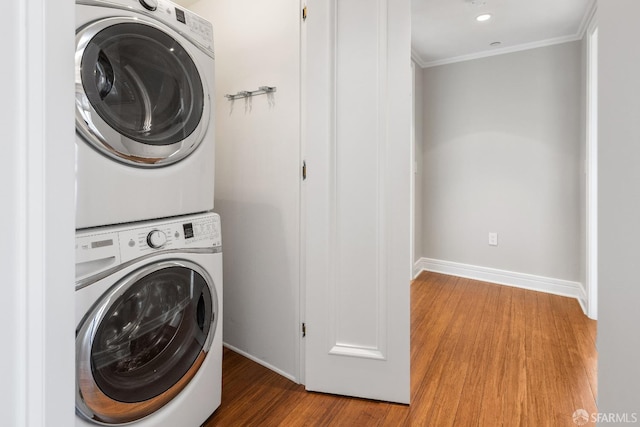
x: 585, y: 23
x: 384, y: 146
x: 416, y: 58
x: 503, y: 51
x: 37, y: 172
x: 381, y: 147
x: 503, y: 277
x: 302, y: 287
x: 15, y: 261
x: 412, y: 182
x: 591, y: 262
x: 587, y: 18
x: 355, y: 351
x: 418, y: 268
x: 583, y: 300
x: 261, y: 362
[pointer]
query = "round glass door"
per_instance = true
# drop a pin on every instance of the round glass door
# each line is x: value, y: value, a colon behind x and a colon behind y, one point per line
x: 139, y: 95
x: 143, y: 341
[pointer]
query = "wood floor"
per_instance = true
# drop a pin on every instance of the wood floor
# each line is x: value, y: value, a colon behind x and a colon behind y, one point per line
x: 481, y: 355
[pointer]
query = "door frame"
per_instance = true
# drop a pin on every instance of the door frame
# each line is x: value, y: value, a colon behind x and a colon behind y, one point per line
x: 37, y: 171
x: 412, y: 189
x: 591, y: 276
x: 301, y: 344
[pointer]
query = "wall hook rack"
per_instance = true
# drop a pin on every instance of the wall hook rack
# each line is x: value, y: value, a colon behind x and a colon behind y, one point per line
x: 247, y: 93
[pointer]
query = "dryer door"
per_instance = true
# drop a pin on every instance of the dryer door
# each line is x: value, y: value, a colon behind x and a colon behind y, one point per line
x: 139, y: 96
x: 143, y: 341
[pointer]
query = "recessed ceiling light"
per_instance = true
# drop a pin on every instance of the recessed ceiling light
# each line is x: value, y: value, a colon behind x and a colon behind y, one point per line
x: 483, y: 17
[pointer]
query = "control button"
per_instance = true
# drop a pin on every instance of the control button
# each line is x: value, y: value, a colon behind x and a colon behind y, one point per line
x: 132, y: 243
x: 156, y: 239
x: 177, y: 235
x: 149, y: 4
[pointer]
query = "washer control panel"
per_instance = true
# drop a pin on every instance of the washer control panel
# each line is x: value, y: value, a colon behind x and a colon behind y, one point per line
x: 101, y: 248
x: 156, y: 239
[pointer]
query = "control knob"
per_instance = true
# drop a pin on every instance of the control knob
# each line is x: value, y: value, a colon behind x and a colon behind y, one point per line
x: 156, y: 239
x: 149, y: 4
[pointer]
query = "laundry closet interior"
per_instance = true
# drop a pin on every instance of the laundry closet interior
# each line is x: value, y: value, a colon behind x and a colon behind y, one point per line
x: 251, y: 162
x: 191, y: 142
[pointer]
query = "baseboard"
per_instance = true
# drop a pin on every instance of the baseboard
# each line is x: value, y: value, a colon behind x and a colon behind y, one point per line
x: 417, y: 268
x: 261, y: 362
x: 503, y: 277
x: 582, y: 299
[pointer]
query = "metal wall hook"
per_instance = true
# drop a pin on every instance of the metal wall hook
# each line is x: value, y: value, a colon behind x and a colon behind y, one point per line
x: 247, y: 93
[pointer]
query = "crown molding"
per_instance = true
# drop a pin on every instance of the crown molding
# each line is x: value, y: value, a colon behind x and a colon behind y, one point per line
x: 587, y: 21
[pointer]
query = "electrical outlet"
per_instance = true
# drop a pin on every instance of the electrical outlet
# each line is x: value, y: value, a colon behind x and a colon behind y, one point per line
x: 493, y: 239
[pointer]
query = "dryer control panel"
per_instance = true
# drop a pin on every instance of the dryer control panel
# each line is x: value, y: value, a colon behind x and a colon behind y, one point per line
x: 185, y: 21
x: 102, y: 248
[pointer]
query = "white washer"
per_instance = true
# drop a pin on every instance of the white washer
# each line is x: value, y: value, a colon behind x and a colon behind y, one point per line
x: 144, y: 112
x: 149, y: 323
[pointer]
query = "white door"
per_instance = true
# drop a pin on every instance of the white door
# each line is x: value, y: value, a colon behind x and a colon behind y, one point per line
x: 358, y: 156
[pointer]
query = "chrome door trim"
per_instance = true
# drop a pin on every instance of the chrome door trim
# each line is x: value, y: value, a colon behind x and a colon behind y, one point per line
x: 85, y: 335
x: 109, y: 141
x: 87, y: 281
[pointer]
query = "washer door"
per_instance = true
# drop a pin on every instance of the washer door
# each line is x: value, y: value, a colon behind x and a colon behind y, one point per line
x: 139, y: 96
x: 143, y: 341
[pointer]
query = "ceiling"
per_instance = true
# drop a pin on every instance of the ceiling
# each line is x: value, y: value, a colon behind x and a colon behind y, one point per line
x: 446, y: 31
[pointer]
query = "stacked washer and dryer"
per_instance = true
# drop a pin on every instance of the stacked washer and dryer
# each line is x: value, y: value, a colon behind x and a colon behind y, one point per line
x: 148, y: 246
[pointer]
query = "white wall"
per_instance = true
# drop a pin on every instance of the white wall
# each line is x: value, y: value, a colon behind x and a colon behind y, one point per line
x: 502, y: 139
x: 619, y: 207
x: 37, y: 175
x: 258, y: 175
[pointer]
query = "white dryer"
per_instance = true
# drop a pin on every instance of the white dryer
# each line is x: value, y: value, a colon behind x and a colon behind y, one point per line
x: 149, y: 323
x: 144, y: 72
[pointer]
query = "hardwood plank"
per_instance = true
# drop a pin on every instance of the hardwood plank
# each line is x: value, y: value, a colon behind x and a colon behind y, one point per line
x: 481, y: 355
x: 538, y: 362
x: 398, y: 415
x: 514, y: 407
x: 584, y: 333
x: 464, y: 327
x: 576, y: 367
x: 493, y: 401
x: 315, y: 409
x: 433, y: 367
